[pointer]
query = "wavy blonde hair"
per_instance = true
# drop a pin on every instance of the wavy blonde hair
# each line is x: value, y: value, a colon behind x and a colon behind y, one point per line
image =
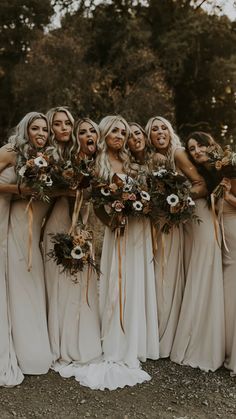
x: 20, y: 138
x: 77, y: 127
x: 71, y: 146
x: 103, y: 166
x: 174, y: 139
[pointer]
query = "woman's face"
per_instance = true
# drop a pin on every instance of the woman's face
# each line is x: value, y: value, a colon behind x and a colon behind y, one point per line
x: 87, y: 138
x: 136, y: 141
x: 38, y: 132
x: 197, y: 151
x: 160, y: 136
x: 116, y: 138
x: 62, y: 127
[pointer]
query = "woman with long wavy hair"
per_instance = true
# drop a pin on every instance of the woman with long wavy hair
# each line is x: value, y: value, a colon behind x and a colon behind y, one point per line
x: 73, y: 319
x: 26, y: 285
x: 127, y: 286
x: 200, y: 335
x: 169, y: 267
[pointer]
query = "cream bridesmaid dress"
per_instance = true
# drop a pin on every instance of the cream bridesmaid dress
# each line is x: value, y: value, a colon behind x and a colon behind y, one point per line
x: 27, y: 289
x: 200, y: 336
x: 170, y: 281
x: 10, y: 373
x: 74, y: 328
x: 229, y: 274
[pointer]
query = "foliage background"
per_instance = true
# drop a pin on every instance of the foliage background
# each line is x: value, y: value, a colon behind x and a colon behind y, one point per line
x: 137, y: 58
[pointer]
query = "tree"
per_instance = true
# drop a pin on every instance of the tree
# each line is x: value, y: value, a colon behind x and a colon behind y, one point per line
x: 191, y: 45
x: 20, y: 23
x: 112, y: 68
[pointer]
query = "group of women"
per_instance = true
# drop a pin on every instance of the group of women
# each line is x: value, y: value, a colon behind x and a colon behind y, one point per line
x: 174, y: 293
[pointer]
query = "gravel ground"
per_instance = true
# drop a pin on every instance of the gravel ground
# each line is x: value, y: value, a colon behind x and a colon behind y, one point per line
x: 175, y: 392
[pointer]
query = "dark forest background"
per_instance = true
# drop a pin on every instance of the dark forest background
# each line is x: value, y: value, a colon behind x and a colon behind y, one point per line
x: 140, y: 59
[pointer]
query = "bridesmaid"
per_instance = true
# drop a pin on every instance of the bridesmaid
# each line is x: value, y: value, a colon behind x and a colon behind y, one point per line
x: 87, y: 134
x: 139, y: 340
x: 169, y: 266
x: 26, y: 288
x: 229, y: 269
x: 137, y: 144
x: 74, y: 328
x: 10, y: 373
x: 169, y: 270
x: 200, y: 336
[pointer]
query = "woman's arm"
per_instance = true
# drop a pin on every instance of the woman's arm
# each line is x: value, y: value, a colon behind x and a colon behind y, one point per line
x: 229, y: 191
x: 199, y: 188
x: 7, y: 157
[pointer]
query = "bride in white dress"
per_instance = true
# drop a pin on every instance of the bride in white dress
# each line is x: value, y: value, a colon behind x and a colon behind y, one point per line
x: 123, y: 349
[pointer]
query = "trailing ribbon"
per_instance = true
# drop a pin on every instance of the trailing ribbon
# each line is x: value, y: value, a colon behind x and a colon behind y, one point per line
x: 29, y: 210
x: 163, y: 255
x: 154, y: 241
x: 87, y: 285
x: 77, y: 206
x: 215, y: 221
x: 118, y: 237
x: 75, y: 216
x: 221, y: 218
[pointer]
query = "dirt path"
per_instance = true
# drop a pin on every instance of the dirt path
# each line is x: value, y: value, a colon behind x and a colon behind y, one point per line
x: 173, y: 393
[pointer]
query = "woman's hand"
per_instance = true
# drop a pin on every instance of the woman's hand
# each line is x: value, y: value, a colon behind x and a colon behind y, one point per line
x: 227, y: 184
x: 159, y: 159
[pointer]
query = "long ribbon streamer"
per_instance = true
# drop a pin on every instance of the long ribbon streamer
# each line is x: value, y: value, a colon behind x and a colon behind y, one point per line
x: 120, y: 278
x: 215, y: 221
x: 29, y: 210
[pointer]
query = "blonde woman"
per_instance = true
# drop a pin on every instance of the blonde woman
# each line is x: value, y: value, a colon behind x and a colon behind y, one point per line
x: 87, y: 134
x: 127, y: 284
x: 27, y: 288
x: 169, y: 267
x: 74, y: 329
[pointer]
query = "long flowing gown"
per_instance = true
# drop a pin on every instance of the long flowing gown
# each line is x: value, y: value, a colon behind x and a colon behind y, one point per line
x: 74, y: 328
x: 229, y: 274
x: 170, y: 282
x: 27, y: 289
x: 200, y: 336
x: 10, y: 373
x: 127, y: 299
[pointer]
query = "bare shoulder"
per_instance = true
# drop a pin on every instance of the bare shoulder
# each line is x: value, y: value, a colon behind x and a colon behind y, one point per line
x: 181, y: 156
x: 7, y: 154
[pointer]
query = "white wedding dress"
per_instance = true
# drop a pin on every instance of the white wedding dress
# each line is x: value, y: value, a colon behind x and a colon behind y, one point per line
x: 135, y: 298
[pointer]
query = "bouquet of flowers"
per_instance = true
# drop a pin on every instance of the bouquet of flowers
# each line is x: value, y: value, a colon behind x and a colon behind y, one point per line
x: 35, y: 170
x: 73, y: 251
x: 44, y: 171
x: 121, y: 198
x: 171, y: 199
x: 224, y: 162
x: 72, y: 173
